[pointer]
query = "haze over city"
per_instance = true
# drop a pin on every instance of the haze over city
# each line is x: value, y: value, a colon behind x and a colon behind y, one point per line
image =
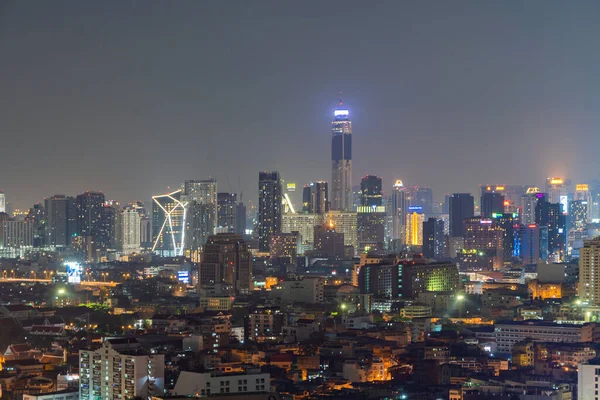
x: 129, y: 100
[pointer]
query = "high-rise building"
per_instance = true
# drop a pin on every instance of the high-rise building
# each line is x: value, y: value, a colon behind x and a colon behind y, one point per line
x: 341, y: 160
x: 398, y: 212
x: 304, y: 224
x: 285, y: 246
x: 227, y: 212
x: 507, y: 222
x: 201, y: 212
x: 433, y: 238
x: 529, y: 243
x: 557, y: 191
x: 127, y: 231
x: 61, y: 225
x: 145, y: 223
x: 120, y: 369
x: 168, y: 223
x: 269, y: 207
x: 578, y: 212
x: 371, y: 194
x: 421, y: 196
x: 328, y: 242
x: 107, y: 235
x: 371, y: 228
x: 551, y: 215
x: 589, y: 272
x: 528, y: 202
x: 491, y: 203
x: 483, y: 241
x: 347, y: 223
x: 240, y: 218
x: 315, y: 199
x: 89, y: 214
x: 16, y: 234
x: 461, y: 206
x: 414, y: 226
x: 225, y: 259
x: 37, y: 214
x: 2, y: 202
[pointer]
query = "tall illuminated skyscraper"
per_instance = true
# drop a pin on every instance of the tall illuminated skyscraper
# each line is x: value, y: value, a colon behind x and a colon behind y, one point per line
x: 462, y: 206
x: 371, y: 191
x: 528, y: 202
x: 201, y: 214
x: 2, y: 203
x: 168, y: 223
x: 341, y: 160
x: 398, y: 211
x: 414, y: 226
x: 269, y: 207
x: 556, y: 189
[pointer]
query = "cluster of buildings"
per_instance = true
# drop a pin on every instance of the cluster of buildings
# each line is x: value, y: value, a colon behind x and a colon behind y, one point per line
x: 355, y: 292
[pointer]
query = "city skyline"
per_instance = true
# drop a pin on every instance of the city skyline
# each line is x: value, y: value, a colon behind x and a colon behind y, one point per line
x: 419, y: 79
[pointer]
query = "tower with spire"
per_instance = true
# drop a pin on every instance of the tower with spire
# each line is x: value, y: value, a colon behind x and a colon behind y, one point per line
x: 341, y: 159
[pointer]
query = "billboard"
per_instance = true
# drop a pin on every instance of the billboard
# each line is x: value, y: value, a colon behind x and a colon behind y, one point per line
x: 73, y: 272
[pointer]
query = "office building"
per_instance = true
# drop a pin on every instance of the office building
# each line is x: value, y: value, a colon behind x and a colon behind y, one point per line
x: 508, y: 333
x: 407, y: 278
x: 37, y: 215
x: 578, y: 214
x: 371, y: 194
x: 528, y: 203
x: 61, y: 224
x: 398, y: 212
x: 461, y: 206
x: 120, y: 369
x: 507, y: 222
x: 304, y: 224
x: 168, y: 223
x: 347, y: 223
x: 240, y: 218
x: 433, y: 238
x: 414, y: 226
x: 269, y: 207
x: 483, y: 249
x: 200, y: 197
x: 328, y: 242
x: 127, y: 231
x: 215, y: 383
x: 16, y: 234
x: 89, y: 214
x: 107, y: 234
x: 225, y: 259
x: 529, y: 240
x: 491, y: 203
x: 371, y: 229
x: 285, y: 246
x: 315, y: 199
x: 341, y: 161
x: 419, y: 196
x: 551, y: 215
x: 557, y: 191
x: 227, y: 212
x: 589, y: 272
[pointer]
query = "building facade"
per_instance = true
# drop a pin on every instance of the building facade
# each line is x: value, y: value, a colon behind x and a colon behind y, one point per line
x: 341, y: 161
x: 269, y: 207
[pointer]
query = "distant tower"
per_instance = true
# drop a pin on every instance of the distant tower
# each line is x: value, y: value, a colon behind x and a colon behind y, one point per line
x: 398, y: 211
x: 2, y: 203
x: 269, y: 207
x: 341, y: 160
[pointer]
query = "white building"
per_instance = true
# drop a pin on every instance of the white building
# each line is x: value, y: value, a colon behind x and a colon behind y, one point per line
x: 347, y: 223
x: 70, y: 394
x: 120, y: 369
x: 304, y: 224
x: 127, y: 231
x: 16, y: 234
x: 306, y: 290
x: 217, y: 382
x: 588, y: 376
x: 509, y: 333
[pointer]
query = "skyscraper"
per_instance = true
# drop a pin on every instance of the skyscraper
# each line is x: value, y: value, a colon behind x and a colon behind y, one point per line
x: 551, y: 215
x: 371, y: 194
x: 483, y: 239
x: 433, y: 238
x: 341, y: 161
x: 589, y: 272
x: 168, y: 223
x: 2, y: 202
x: 61, y: 225
x: 107, y: 236
x: 422, y: 197
x: 491, y: 203
x: 398, y: 212
x: 461, y: 206
x: 529, y: 243
x: 127, y: 231
x: 414, y: 226
x: 225, y: 259
x: 89, y: 214
x: 269, y: 207
x: 201, y: 214
x: 315, y: 199
x: 528, y: 202
x: 227, y: 212
x: 557, y: 191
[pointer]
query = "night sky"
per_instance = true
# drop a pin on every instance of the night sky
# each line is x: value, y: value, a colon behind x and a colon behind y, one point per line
x: 132, y: 97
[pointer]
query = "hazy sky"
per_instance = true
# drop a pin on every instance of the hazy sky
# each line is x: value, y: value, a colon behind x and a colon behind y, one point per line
x: 130, y: 97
